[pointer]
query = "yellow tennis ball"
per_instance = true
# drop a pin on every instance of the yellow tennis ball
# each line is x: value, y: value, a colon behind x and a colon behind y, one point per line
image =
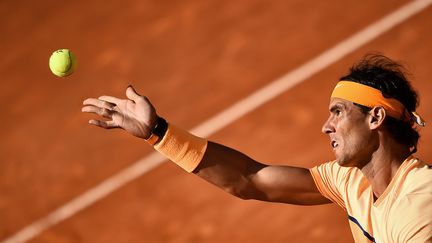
x: 62, y: 63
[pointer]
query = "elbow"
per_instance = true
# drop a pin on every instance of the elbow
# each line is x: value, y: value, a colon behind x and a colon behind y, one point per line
x: 243, y: 193
x: 238, y: 194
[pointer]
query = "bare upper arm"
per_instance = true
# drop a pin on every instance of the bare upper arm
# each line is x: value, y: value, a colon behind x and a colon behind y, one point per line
x: 286, y: 184
x: 238, y: 174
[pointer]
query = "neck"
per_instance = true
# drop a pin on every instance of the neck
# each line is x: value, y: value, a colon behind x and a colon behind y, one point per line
x: 383, y: 165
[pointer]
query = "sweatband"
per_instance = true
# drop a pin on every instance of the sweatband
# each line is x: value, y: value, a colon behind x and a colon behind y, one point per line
x: 182, y: 147
x: 369, y: 97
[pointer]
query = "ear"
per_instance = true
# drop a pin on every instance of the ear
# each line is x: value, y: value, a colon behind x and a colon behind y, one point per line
x: 377, y: 116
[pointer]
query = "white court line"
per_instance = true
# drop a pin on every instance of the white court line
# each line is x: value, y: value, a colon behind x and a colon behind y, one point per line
x: 224, y: 118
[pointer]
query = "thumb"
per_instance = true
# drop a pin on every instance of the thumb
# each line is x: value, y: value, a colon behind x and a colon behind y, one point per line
x: 132, y: 94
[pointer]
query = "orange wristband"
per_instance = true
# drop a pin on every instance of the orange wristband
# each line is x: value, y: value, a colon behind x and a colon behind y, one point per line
x: 182, y: 147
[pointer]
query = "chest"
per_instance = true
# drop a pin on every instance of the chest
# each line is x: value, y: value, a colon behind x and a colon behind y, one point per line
x: 370, y: 220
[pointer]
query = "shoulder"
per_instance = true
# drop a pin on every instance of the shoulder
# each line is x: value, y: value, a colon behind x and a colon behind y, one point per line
x: 418, y: 178
x: 332, y: 169
x: 333, y: 166
x: 414, y: 200
x: 332, y: 174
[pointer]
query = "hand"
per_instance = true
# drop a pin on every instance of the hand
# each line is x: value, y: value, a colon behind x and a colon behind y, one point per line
x: 136, y: 114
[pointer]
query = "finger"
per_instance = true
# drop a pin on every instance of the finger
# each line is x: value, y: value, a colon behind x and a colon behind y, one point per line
x: 110, y: 99
x: 132, y: 94
x: 103, y: 124
x: 99, y: 103
x: 89, y: 101
x: 107, y: 113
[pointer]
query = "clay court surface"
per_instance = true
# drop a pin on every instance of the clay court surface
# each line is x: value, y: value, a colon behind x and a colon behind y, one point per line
x: 193, y: 59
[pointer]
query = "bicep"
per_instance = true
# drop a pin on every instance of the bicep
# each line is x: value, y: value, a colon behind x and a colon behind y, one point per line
x: 287, y: 184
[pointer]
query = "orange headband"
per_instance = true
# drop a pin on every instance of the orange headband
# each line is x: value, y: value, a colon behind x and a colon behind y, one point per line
x: 370, y: 97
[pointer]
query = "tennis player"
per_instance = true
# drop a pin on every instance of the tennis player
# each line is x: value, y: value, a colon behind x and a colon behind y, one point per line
x: 375, y: 177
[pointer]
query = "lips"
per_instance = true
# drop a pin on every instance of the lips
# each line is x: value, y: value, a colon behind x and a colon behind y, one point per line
x: 334, y: 144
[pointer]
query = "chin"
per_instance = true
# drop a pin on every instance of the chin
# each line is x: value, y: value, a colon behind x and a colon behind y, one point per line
x: 345, y: 162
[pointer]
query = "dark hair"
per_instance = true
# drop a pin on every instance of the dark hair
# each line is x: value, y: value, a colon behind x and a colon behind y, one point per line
x: 380, y: 72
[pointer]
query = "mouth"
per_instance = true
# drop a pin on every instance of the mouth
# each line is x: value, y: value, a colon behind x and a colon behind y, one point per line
x: 334, y: 144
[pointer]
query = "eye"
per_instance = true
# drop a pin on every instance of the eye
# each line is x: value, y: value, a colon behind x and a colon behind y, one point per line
x: 338, y: 112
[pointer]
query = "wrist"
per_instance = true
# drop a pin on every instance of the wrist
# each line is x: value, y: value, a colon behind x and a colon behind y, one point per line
x: 157, y: 132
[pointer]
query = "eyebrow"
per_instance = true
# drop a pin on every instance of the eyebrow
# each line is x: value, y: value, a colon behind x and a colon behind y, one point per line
x: 337, y: 106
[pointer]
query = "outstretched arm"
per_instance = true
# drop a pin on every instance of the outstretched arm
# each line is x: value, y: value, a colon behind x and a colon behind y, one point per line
x: 224, y: 167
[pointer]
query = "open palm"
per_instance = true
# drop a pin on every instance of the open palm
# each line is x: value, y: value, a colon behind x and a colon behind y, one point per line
x: 136, y: 114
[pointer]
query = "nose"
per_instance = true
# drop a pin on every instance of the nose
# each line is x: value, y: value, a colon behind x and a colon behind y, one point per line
x: 328, y: 127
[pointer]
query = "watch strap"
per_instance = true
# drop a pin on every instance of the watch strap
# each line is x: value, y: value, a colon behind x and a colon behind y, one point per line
x: 158, y: 131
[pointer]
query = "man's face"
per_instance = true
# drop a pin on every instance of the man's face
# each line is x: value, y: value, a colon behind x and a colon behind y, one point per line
x: 351, y: 138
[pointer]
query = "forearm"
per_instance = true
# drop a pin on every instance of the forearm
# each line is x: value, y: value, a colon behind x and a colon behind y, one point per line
x: 218, y: 164
x: 229, y: 170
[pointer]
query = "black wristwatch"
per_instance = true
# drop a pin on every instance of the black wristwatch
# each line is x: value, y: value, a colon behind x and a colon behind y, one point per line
x: 158, y: 131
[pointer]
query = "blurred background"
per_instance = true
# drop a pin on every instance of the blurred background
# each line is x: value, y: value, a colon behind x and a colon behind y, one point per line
x: 193, y: 59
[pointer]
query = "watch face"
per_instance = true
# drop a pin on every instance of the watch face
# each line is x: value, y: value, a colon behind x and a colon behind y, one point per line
x: 161, y: 127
